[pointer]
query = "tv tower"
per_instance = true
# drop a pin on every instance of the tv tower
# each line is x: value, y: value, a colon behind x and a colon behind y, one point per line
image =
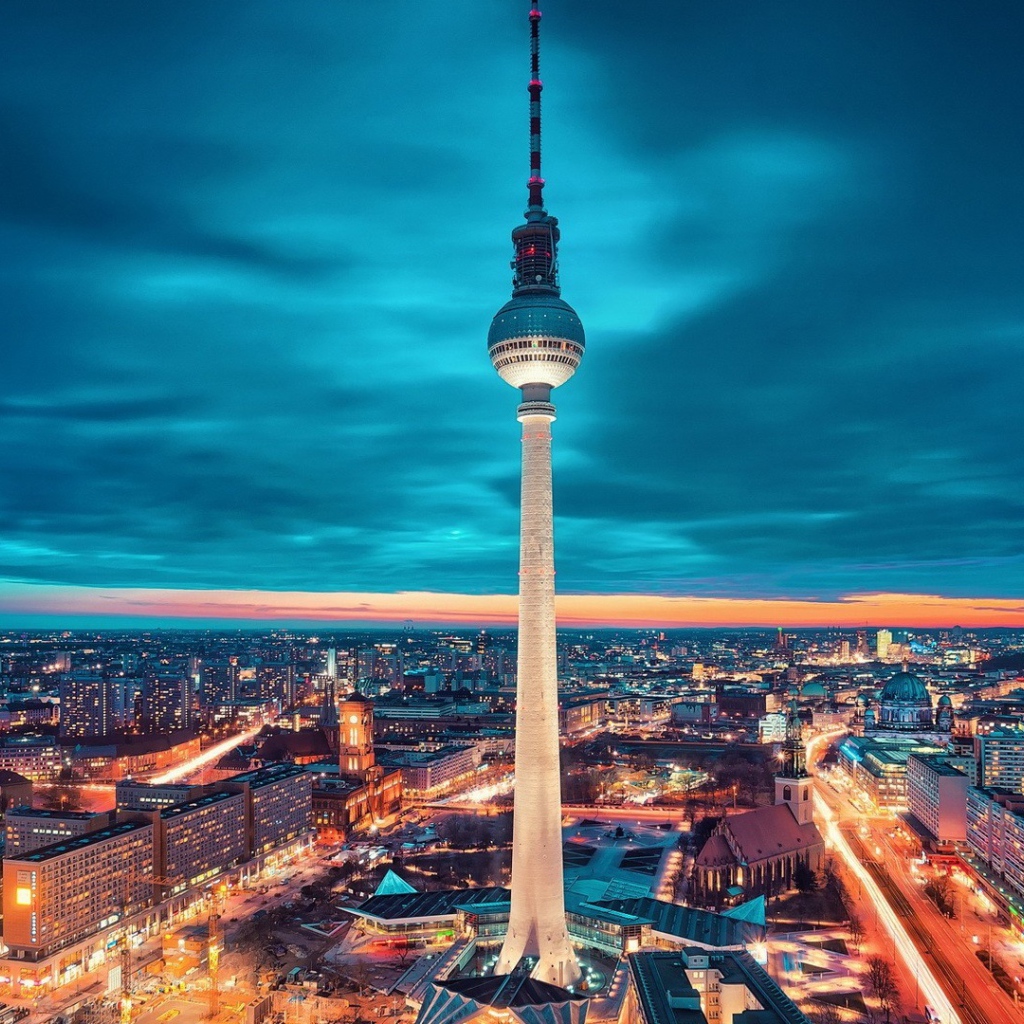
x: 535, y: 343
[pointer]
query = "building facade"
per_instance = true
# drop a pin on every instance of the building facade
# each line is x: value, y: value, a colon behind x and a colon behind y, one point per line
x: 995, y: 835
x: 937, y: 798
x: 38, y: 758
x: 279, y: 805
x: 60, y: 893
x: 29, y: 828
x: 199, y: 839
x: 1000, y: 759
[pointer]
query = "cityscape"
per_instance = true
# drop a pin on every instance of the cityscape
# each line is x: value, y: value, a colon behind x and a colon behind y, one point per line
x: 294, y: 729
x: 820, y: 825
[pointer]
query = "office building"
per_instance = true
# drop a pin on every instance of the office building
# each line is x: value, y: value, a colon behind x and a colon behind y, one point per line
x: 883, y: 641
x: 133, y: 795
x: 92, y: 704
x: 936, y: 799
x: 697, y: 986
x: 29, y: 828
x: 279, y: 806
x: 168, y: 699
x: 199, y: 839
x: 58, y: 894
x: 1000, y: 759
x: 995, y: 837
x: 35, y: 757
x: 218, y: 682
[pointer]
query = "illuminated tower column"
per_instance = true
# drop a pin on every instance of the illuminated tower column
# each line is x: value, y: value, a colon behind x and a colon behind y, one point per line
x: 537, y: 922
x: 536, y: 342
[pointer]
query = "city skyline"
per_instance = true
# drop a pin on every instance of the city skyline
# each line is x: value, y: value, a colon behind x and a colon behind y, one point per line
x: 231, y: 267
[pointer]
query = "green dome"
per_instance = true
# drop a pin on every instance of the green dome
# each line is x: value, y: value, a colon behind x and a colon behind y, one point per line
x: 813, y: 690
x: 905, y: 687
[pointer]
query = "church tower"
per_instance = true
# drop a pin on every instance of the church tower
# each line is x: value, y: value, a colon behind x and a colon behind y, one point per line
x: 793, y: 783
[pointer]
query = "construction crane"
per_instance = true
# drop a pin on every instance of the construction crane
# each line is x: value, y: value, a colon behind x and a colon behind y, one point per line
x: 125, y: 953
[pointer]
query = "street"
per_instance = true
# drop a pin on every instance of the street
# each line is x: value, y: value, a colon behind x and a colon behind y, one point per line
x: 890, y: 885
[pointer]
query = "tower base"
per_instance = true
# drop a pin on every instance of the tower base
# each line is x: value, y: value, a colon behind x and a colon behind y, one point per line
x: 557, y: 965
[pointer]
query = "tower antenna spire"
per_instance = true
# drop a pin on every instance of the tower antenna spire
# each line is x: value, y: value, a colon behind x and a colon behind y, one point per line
x: 535, y: 210
x: 536, y: 241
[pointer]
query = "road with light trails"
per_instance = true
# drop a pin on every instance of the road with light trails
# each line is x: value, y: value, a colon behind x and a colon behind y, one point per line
x: 933, y: 951
x: 916, y: 965
x: 195, y: 764
x: 983, y: 1000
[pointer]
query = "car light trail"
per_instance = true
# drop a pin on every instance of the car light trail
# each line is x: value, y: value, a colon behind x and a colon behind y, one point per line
x: 483, y: 794
x: 214, y: 753
x: 930, y: 988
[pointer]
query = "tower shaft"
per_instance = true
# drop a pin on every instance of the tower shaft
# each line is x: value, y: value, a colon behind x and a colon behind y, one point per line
x: 537, y: 925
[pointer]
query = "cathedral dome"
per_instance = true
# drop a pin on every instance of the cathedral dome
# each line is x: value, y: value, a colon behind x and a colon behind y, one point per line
x: 945, y: 701
x: 905, y: 688
x: 812, y: 691
x: 905, y: 704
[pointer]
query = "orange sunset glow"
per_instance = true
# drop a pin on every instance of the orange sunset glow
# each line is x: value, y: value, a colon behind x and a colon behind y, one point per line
x: 574, y: 610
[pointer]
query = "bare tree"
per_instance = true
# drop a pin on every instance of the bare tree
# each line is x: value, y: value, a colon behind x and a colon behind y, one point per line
x: 827, y: 1014
x: 883, y: 982
x: 856, y: 931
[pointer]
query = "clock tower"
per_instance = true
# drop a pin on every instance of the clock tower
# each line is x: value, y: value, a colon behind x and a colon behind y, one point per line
x: 355, y: 737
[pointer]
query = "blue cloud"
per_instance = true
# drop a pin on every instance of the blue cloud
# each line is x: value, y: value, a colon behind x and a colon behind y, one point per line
x: 251, y: 253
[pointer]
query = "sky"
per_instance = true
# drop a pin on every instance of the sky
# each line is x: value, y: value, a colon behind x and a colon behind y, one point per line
x: 249, y: 253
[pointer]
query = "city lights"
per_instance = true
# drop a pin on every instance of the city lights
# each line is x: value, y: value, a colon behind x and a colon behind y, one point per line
x: 915, y: 962
x: 208, y: 756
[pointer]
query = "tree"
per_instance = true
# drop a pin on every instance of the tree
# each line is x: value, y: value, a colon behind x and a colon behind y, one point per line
x: 63, y: 797
x: 883, y: 982
x: 940, y: 891
x: 702, y: 830
x: 856, y: 931
x: 403, y: 947
x: 804, y: 878
x: 827, y: 1014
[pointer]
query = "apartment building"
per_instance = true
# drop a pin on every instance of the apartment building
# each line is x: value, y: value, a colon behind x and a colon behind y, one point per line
x: 58, y: 894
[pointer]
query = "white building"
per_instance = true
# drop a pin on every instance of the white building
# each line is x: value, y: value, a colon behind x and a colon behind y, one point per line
x: 1000, y: 758
x: 937, y: 797
x: 771, y: 728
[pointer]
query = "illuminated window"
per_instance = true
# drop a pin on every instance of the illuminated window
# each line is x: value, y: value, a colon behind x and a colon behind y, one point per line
x: 24, y: 896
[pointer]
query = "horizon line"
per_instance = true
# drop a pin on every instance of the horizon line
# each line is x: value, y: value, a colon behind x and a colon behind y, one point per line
x: 28, y: 602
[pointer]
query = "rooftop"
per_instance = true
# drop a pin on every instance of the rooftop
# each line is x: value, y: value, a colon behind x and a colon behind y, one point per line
x: 104, y: 835
x: 938, y: 764
x: 770, y: 831
x: 420, y: 905
x: 531, y: 1002
x: 686, y: 923
x: 194, y: 805
x: 268, y: 775
x: 662, y: 980
x: 38, y: 812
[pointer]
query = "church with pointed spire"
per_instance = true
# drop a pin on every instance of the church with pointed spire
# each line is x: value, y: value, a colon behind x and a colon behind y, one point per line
x: 761, y: 852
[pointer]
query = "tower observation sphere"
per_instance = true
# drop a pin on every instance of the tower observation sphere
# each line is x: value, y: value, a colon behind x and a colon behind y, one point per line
x: 536, y: 338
